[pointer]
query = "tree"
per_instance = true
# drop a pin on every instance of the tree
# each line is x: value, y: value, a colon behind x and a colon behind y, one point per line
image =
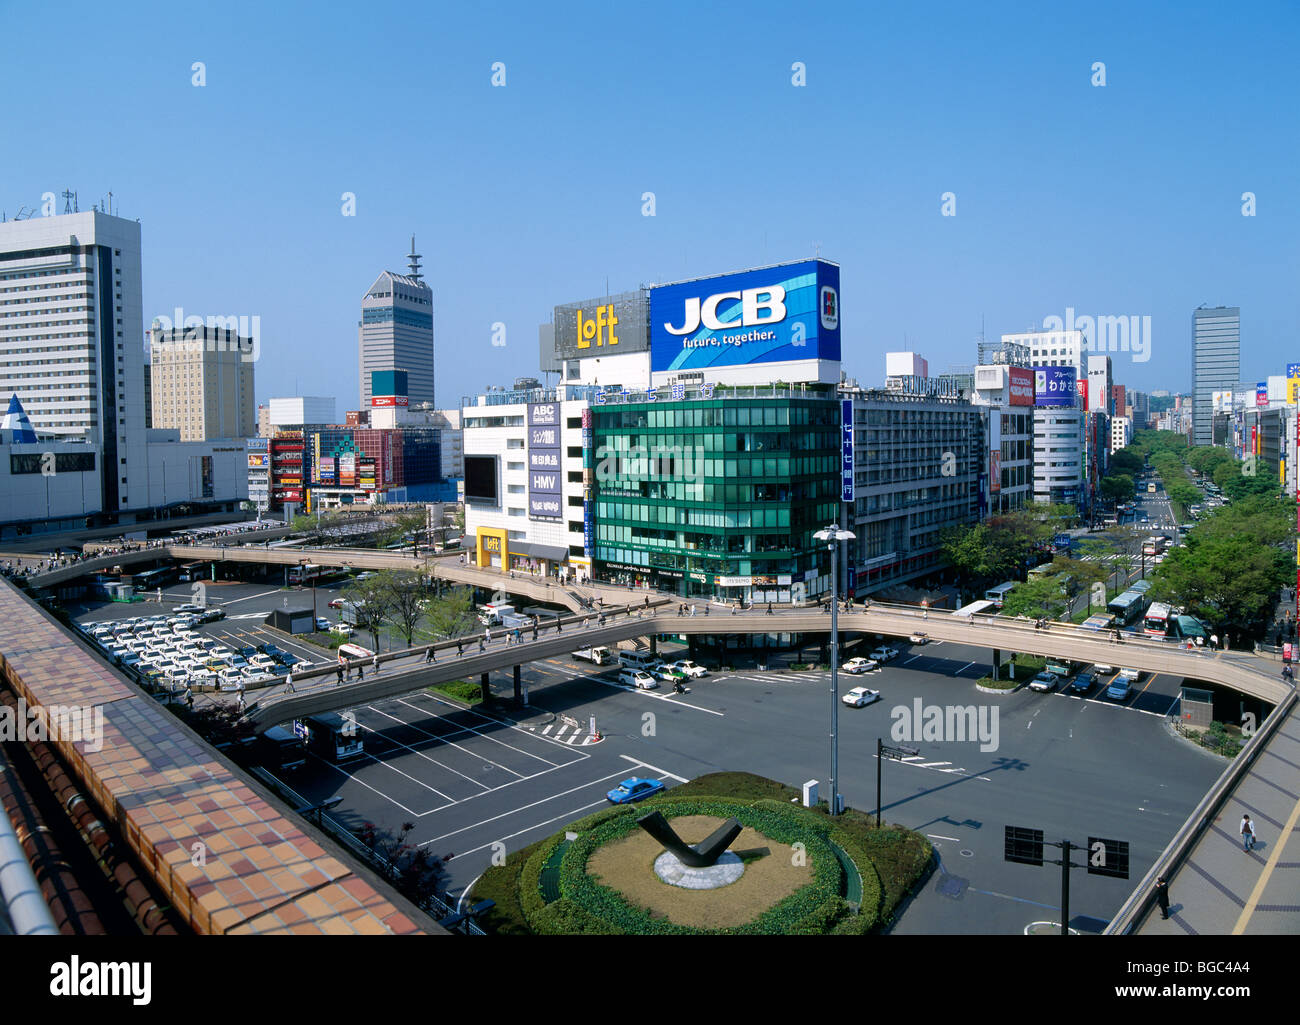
x: 404, y: 591
x: 1117, y: 488
x: 1125, y: 462
x: 1036, y: 598
x: 1231, y: 580
x: 1076, y: 576
x: 371, y: 604
x: 451, y: 614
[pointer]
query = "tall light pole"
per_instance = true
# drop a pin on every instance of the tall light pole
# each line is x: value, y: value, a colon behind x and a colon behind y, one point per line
x: 833, y: 535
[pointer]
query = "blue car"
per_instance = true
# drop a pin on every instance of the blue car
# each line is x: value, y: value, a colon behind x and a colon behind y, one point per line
x: 634, y: 789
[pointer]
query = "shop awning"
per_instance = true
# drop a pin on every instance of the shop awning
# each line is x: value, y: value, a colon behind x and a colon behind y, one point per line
x: 553, y: 553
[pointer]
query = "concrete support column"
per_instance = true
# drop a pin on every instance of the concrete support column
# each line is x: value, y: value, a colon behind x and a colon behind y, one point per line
x: 997, y: 662
x: 485, y: 689
x: 654, y: 639
x: 519, y: 692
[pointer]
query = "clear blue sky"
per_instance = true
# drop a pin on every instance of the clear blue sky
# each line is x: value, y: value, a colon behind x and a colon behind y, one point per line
x: 1119, y: 200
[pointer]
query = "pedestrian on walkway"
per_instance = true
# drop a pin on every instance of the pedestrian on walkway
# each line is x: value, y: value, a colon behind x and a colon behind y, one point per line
x: 375, y: 663
x: 534, y: 628
x: 518, y: 638
x: 480, y: 645
x: 189, y: 697
x: 428, y: 655
x: 288, y: 684
x: 361, y: 670
x: 460, y: 650
x: 339, y: 671
x: 1247, y: 830
x: 487, y: 634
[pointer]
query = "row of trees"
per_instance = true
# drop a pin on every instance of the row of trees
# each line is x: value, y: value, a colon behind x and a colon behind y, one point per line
x: 412, y: 605
x: 1003, y: 547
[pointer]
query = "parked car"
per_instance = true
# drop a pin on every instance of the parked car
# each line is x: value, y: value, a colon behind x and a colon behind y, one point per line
x: 336, y: 603
x: 211, y: 615
x: 884, y: 655
x: 342, y: 629
x: 322, y: 623
x: 860, y: 696
x: 667, y: 673
x: 1084, y: 682
x: 1119, y: 688
x: 859, y: 665
x: 692, y: 669
x: 1044, y: 681
x: 634, y: 788
x: 919, y: 638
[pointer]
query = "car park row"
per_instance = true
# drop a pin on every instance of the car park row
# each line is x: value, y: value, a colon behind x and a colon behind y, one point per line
x: 166, y: 651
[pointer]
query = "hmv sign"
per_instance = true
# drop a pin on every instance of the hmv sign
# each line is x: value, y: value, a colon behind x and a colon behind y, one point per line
x: 545, y: 475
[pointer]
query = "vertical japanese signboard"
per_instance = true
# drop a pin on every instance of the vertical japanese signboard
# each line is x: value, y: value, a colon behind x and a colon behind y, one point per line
x: 846, y: 450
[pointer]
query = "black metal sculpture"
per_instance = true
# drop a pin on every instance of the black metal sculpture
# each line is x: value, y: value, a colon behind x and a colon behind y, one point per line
x: 702, y: 855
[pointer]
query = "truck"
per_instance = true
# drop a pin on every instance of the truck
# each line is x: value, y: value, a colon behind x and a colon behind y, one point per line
x: 492, y: 614
x: 598, y: 656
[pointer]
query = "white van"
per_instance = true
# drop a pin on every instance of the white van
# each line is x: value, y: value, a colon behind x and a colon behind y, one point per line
x: 637, y: 659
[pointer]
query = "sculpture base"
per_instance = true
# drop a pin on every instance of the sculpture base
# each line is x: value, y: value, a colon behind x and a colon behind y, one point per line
x: 725, y: 871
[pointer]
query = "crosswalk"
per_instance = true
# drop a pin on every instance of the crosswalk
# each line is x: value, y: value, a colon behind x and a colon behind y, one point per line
x: 567, y: 733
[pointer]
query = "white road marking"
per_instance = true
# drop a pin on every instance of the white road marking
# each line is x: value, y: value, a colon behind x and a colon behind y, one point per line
x: 534, y: 804
x: 548, y: 729
x: 936, y: 836
x: 567, y: 815
x: 260, y: 594
x: 963, y: 668
x: 421, y: 754
x: 647, y: 765
x: 470, y: 729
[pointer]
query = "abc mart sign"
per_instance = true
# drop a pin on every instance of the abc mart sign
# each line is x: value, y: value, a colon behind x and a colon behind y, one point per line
x: 783, y: 313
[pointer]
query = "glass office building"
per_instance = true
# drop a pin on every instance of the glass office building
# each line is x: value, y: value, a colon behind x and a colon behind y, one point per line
x: 1216, y: 363
x: 718, y: 493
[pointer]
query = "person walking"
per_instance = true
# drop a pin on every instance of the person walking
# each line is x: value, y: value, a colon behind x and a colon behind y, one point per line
x: 460, y: 649
x: 1162, y: 896
x: 339, y: 671
x: 480, y: 645
x: 1247, y: 830
x: 375, y: 664
x: 288, y: 684
x: 487, y: 634
x: 428, y: 655
x: 534, y: 628
x: 189, y: 697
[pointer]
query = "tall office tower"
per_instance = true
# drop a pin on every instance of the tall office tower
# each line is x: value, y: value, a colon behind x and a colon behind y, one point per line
x: 396, y: 331
x: 70, y: 330
x: 1216, y: 363
x: 202, y: 382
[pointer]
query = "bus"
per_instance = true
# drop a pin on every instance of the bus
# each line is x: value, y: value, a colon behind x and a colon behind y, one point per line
x: 192, y: 571
x: 1153, y: 546
x: 1100, y: 621
x: 334, y: 736
x: 1127, y: 607
x: 1156, y: 621
x: 282, y: 750
x: 975, y: 608
x: 309, y: 573
x: 998, y: 595
x: 151, y: 579
x: 355, y: 652
x: 1151, y: 488
x: 1141, y: 586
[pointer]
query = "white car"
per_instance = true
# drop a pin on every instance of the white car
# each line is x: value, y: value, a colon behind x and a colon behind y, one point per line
x: 342, y: 629
x: 1045, y: 681
x: 884, y: 655
x: 637, y: 678
x: 692, y: 669
x: 322, y: 623
x: 1132, y: 675
x: 860, y: 696
x: 859, y: 665
x: 919, y: 638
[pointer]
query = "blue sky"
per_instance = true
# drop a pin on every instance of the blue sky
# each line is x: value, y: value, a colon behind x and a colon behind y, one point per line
x: 1122, y: 200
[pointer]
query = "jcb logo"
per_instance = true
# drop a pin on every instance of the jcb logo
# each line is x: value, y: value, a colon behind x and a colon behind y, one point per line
x: 770, y: 300
x: 589, y: 329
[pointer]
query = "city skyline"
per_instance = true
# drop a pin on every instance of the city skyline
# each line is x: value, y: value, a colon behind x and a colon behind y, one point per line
x: 1068, y: 195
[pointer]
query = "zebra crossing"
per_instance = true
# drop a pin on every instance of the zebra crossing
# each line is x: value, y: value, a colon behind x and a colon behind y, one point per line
x: 567, y: 733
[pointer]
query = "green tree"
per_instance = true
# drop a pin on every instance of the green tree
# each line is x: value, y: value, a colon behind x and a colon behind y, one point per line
x: 1117, y: 488
x: 406, y: 599
x: 1230, y: 580
x: 450, y: 615
x: 1041, y: 596
x: 371, y: 604
x: 1125, y: 462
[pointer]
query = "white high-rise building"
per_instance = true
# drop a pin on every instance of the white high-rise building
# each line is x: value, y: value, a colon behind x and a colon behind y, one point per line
x: 396, y: 332
x: 291, y: 412
x: 1059, y: 458
x: 71, y: 326
x: 1121, y: 433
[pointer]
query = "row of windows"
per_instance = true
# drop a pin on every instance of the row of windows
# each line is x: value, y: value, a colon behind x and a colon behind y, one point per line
x: 624, y: 472
x: 608, y: 511
x: 719, y: 441
x: 64, y: 462
x: 730, y: 494
x: 722, y: 414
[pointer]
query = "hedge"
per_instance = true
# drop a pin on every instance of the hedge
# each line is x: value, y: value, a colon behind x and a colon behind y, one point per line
x: 814, y: 908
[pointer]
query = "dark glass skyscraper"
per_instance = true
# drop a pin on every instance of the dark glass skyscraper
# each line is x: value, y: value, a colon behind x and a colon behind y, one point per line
x: 1216, y: 363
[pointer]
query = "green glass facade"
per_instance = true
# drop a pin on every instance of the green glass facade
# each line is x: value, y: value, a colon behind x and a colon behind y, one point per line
x: 716, y: 496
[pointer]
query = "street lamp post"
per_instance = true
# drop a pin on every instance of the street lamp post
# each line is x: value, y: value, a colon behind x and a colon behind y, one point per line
x: 833, y: 535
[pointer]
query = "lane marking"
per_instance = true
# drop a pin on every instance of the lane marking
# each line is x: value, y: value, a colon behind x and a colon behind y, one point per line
x: 647, y: 765
x: 471, y: 729
x: 963, y: 668
x: 566, y: 815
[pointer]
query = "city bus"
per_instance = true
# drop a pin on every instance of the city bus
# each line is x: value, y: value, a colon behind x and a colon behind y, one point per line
x: 334, y: 736
x: 151, y: 579
x: 309, y: 573
x: 998, y: 595
x: 1151, y: 488
x: 282, y: 750
x: 1127, y: 607
x: 355, y: 652
x: 1156, y: 621
x: 192, y: 571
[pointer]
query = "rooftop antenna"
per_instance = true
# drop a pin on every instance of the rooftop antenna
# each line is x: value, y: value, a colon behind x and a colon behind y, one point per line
x: 110, y: 204
x: 414, y: 261
x: 69, y: 198
x: 817, y: 250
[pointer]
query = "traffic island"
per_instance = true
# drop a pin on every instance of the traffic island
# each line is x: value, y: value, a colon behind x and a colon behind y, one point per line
x: 789, y: 870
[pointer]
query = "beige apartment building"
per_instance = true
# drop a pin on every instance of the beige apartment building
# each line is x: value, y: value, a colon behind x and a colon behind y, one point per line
x: 202, y: 381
